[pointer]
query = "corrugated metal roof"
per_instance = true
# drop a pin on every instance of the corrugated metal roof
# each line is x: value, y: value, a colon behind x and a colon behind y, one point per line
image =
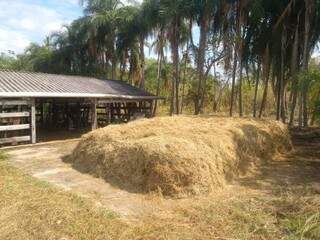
x: 27, y: 84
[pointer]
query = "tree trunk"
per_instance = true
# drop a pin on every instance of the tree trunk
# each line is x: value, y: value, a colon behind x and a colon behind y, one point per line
x: 240, y: 89
x: 240, y: 49
x: 184, y: 78
x: 280, y: 90
x: 113, y: 62
x: 113, y: 69
x: 214, y: 87
x: 123, y: 68
x: 266, y: 73
x: 142, y: 61
x: 305, y: 106
x: 305, y: 60
x: 160, y: 58
x: 106, y: 64
x: 237, y: 54
x: 200, y: 63
x: 300, y: 111
x: 234, y: 72
x: 294, y: 69
x: 174, y: 108
x: 256, y: 91
x: 283, y: 107
x: 278, y: 96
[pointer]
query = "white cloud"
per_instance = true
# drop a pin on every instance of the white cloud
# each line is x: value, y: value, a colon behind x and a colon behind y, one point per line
x: 25, y: 21
x: 74, y: 2
x: 12, y: 40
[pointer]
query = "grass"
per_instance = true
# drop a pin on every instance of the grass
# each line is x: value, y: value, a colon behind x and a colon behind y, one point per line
x: 32, y: 209
x: 241, y: 215
x: 300, y: 213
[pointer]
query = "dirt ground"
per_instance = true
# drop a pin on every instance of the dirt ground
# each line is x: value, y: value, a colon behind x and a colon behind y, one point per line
x: 47, y: 162
x: 300, y: 167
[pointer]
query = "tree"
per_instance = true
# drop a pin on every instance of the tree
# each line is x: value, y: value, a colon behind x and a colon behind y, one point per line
x: 7, y: 61
x: 271, y: 40
x: 173, y: 12
x: 203, y: 12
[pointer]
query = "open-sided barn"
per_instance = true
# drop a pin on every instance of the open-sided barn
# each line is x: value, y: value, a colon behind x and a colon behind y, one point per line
x: 31, y: 102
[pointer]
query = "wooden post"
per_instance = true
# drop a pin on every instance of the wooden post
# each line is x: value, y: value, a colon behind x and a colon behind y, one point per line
x: 108, y: 109
x: 151, y: 109
x: 33, y: 121
x: 111, y: 113
x: 42, y: 113
x: 94, y: 121
x: 78, y: 120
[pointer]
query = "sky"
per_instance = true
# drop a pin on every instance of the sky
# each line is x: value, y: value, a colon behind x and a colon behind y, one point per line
x: 26, y: 21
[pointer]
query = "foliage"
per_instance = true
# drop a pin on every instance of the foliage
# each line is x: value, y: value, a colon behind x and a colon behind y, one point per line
x: 7, y: 61
x: 310, y: 81
x: 193, y: 42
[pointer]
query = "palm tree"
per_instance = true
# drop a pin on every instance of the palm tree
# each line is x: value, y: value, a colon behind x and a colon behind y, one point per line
x: 159, y: 45
x: 203, y: 13
x: 275, y: 36
x: 103, y: 14
x: 173, y: 13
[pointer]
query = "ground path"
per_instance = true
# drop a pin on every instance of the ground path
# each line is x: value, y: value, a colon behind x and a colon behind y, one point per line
x: 46, y: 162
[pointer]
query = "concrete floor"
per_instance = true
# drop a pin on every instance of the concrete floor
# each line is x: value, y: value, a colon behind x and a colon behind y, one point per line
x: 45, y: 162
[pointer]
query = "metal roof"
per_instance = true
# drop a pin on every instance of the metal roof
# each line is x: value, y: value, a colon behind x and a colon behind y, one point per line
x: 27, y: 84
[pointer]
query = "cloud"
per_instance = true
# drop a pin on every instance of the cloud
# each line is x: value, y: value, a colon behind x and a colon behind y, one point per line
x: 12, y: 40
x: 25, y: 21
x: 74, y: 2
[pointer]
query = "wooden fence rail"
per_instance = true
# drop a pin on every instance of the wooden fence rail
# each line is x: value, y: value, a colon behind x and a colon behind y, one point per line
x: 14, y: 115
x: 15, y: 139
x: 14, y: 127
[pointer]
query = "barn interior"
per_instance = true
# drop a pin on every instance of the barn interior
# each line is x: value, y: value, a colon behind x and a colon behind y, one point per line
x: 64, y: 118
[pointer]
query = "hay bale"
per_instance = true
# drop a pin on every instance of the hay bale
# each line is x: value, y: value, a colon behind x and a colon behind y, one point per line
x: 179, y: 155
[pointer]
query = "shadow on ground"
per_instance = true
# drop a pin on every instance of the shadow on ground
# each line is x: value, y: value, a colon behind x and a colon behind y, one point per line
x: 300, y: 167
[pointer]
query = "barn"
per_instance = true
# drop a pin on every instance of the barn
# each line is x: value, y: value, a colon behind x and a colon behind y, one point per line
x: 35, y: 105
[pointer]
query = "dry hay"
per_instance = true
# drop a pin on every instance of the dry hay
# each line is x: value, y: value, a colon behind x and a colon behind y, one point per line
x: 179, y: 155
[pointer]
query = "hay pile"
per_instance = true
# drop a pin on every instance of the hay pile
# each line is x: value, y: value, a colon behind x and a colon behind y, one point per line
x: 179, y: 155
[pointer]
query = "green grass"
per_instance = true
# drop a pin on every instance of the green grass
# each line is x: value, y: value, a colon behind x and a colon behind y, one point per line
x: 2, y: 156
x: 243, y: 217
x: 300, y: 215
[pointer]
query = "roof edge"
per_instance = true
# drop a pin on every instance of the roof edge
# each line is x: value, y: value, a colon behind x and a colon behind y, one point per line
x: 72, y: 95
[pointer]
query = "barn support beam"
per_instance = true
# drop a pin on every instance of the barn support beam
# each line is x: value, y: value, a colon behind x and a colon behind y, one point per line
x: 94, y: 120
x: 41, y: 113
x: 33, y: 122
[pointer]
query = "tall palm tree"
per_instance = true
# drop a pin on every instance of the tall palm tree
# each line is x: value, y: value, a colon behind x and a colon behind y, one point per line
x: 173, y: 13
x: 203, y: 13
x: 159, y: 45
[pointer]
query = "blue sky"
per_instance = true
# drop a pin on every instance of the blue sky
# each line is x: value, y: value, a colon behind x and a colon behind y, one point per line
x: 25, y: 21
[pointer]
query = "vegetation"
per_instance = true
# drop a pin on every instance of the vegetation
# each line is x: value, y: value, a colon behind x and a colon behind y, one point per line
x: 31, y: 209
x: 235, y: 57
x: 260, y: 48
